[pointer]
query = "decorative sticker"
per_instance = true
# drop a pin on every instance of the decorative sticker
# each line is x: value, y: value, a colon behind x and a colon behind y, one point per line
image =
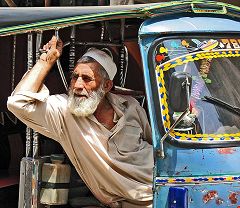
x: 177, y: 48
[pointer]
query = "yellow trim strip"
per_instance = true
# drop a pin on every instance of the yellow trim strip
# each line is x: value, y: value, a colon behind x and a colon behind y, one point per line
x: 198, y: 180
x: 160, y: 69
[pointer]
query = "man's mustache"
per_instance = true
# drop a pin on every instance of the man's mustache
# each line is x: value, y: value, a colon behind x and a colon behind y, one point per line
x: 78, y: 93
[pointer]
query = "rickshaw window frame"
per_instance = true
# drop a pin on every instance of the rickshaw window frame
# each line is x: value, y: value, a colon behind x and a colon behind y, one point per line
x: 171, y: 140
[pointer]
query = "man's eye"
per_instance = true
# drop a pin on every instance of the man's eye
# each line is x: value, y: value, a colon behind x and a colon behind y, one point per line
x: 87, y: 79
x: 74, y: 76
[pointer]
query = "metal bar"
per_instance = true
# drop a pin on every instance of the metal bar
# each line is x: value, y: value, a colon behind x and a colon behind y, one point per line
x: 28, y: 141
x: 95, y: 43
x: 38, y: 44
x: 60, y: 67
x: 30, y: 51
x: 29, y: 66
x: 36, y: 134
x: 13, y: 62
x: 123, y: 56
x: 110, y: 37
x: 72, y: 54
x: 161, y: 150
x: 102, y: 31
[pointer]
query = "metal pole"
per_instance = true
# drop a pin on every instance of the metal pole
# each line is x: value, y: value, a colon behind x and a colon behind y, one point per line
x: 60, y: 67
x: 29, y: 66
x: 72, y: 54
x: 13, y: 62
x: 123, y: 56
x: 35, y: 134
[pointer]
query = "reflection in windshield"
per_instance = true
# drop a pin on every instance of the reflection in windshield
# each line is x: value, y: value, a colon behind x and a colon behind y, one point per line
x: 218, y: 78
x: 212, y: 76
x: 223, y: 104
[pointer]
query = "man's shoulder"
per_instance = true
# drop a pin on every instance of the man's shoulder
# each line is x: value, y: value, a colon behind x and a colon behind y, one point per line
x: 123, y: 98
x: 58, y: 99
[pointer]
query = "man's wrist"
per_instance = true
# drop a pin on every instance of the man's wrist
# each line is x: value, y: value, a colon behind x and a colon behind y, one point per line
x: 44, y: 63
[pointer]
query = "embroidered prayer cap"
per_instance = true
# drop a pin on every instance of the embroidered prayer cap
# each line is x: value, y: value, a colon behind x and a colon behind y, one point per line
x: 104, y: 59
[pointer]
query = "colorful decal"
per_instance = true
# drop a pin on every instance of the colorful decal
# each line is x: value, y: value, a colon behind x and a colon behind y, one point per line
x: 177, y: 48
x: 199, y: 84
x: 185, y: 43
x: 197, y: 180
x: 160, y: 57
x: 163, y: 50
x: 233, y: 197
x: 210, y: 195
x: 219, y: 201
x: 208, y: 45
x: 175, y: 44
x: 162, y: 54
x: 204, y: 70
x: 226, y: 151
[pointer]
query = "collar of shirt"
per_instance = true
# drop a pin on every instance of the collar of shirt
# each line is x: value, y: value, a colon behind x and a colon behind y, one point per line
x: 119, y: 105
x: 118, y: 101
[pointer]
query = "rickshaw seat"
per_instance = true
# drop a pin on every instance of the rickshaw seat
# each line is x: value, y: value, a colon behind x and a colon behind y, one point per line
x: 138, y: 95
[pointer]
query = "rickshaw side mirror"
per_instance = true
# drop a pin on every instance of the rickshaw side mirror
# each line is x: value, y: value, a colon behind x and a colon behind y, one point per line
x: 179, y: 91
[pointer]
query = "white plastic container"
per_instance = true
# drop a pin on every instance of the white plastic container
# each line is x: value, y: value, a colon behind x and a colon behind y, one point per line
x: 55, y: 181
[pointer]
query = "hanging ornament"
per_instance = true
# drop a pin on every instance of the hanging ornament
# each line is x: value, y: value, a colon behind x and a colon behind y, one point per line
x: 185, y: 43
x: 175, y: 44
x: 159, y: 57
x: 163, y: 50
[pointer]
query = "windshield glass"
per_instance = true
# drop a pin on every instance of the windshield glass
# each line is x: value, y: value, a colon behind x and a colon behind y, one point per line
x: 214, y: 66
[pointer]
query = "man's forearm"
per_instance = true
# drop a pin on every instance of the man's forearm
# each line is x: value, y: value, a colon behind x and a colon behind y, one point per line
x: 34, y: 79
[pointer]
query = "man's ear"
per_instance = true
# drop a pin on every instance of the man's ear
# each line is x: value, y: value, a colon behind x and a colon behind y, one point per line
x: 108, y: 84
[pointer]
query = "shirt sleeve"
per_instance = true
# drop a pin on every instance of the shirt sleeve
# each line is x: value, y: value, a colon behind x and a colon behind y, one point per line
x: 39, y: 111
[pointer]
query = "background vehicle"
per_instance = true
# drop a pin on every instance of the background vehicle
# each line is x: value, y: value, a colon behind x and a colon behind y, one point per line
x: 196, y: 164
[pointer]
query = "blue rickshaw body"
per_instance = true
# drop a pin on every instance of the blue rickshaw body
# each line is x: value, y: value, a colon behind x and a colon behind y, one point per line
x: 188, y: 176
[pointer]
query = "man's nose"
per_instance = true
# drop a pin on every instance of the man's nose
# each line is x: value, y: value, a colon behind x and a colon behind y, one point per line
x: 79, y: 84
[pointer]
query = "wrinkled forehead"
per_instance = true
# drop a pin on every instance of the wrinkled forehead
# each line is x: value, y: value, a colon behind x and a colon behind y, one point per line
x: 92, y: 69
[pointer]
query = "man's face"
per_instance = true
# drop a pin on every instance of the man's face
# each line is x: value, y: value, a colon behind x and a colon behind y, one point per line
x: 86, y: 89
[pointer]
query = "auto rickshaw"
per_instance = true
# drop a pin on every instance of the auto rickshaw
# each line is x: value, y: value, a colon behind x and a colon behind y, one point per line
x: 182, y: 56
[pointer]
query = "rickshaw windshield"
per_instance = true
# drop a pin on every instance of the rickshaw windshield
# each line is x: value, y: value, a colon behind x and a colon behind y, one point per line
x: 214, y: 66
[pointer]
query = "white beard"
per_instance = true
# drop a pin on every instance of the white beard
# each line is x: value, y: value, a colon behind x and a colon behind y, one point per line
x: 81, y: 106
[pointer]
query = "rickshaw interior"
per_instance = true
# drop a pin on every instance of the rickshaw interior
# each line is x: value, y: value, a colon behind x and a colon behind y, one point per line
x: 117, y: 36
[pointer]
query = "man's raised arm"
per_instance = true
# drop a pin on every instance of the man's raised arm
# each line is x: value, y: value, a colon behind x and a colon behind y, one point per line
x: 29, y: 100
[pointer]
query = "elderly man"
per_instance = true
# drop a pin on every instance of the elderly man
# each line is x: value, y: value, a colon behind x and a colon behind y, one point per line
x: 106, y: 136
